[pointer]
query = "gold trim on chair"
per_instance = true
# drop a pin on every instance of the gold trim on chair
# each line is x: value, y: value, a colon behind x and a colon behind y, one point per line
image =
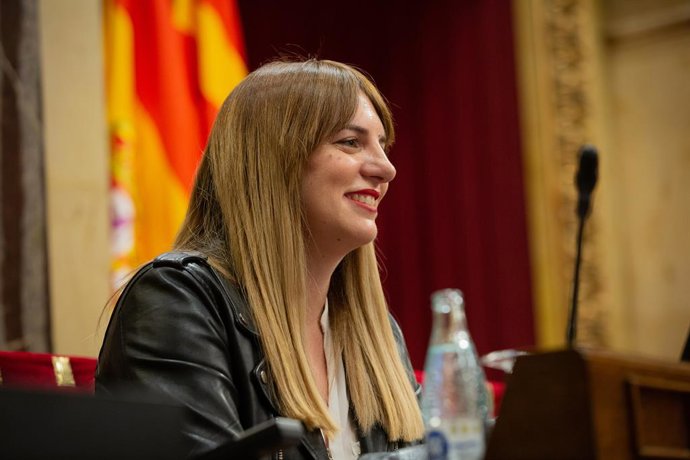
x: 63, y: 371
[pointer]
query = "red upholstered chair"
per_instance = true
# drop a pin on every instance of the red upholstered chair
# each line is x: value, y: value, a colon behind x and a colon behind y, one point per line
x: 46, y: 371
x: 497, y: 389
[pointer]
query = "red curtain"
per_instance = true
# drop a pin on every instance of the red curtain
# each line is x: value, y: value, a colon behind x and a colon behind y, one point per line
x: 455, y: 214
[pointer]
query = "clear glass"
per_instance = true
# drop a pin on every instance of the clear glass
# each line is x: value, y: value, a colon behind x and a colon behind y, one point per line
x: 455, y: 401
x: 503, y: 360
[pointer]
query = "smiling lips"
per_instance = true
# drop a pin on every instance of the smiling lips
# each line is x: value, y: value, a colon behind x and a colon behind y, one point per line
x: 367, y: 198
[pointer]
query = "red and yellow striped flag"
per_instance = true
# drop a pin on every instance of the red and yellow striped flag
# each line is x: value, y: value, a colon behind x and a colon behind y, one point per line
x: 169, y: 66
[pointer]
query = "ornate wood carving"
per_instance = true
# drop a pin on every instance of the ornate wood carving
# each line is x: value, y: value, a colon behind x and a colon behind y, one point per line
x: 570, y: 61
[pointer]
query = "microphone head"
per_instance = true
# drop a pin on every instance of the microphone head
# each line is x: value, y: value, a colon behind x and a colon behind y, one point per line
x: 586, y: 177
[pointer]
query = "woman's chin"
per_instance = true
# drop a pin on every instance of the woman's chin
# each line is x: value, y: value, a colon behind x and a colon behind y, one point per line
x: 365, y: 237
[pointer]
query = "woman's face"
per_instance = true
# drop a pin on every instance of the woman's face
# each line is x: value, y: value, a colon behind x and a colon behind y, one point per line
x: 344, y: 181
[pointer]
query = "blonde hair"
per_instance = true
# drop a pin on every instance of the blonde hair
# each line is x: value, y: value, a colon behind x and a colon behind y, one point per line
x: 246, y: 215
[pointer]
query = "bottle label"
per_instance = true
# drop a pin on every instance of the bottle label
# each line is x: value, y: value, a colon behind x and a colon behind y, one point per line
x: 461, y: 438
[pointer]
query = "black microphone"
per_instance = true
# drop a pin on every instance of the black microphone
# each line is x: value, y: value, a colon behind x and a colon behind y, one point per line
x: 585, y: 180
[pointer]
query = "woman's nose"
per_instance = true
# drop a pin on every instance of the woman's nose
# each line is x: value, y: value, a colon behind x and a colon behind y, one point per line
x: 380, y: 166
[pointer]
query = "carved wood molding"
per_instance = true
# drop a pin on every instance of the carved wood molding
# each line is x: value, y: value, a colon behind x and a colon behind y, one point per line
x: 556, y: 46
x: 567, y: 25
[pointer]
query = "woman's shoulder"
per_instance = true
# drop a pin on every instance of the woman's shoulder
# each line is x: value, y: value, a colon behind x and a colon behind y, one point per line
x: 185, y: 281
x: 175, y: 269
x: 397, y: 331
x: 404, y: 354
x: 180, y: 259
x: 175, y: 278
x: 176, y: 266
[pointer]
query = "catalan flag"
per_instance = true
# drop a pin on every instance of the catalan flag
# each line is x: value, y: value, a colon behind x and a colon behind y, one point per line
x: 169, y: 66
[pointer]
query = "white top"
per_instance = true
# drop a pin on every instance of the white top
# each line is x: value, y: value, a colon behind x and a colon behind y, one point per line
x: 344, y: 445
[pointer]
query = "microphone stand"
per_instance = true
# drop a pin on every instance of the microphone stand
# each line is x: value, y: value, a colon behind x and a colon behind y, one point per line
x: 585, y: 180
x: 572, y: 319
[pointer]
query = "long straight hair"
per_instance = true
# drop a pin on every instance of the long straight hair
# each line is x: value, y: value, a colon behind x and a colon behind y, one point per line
x: 246, y: 214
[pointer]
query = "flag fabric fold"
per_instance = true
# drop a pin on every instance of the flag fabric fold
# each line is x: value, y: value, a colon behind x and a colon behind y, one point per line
x: 169, y: 66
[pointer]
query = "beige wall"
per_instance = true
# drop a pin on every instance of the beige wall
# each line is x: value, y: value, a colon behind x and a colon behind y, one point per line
x: 615, y: 73
x: 76, y: 171
x: 647, y: 70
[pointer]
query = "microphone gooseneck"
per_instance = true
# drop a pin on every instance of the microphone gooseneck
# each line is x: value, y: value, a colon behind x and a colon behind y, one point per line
x: 585, y: 180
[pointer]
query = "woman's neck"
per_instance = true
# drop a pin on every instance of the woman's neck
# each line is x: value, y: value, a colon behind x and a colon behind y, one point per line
x: 317, y: 291
x: 319, y: 272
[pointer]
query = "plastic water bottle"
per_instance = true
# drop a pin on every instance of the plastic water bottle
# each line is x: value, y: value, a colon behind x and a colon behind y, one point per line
x: 455, y: 402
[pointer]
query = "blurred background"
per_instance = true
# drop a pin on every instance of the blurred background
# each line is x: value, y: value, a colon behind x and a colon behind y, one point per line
x: 106, y: 106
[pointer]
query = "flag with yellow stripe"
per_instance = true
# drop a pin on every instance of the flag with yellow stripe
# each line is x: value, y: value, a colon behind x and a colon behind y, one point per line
x: 169, y: 66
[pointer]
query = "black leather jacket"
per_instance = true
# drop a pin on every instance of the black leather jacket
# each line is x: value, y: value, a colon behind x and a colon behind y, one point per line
x: 182, y: 330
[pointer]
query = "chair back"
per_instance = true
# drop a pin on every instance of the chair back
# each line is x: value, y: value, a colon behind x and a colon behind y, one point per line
x: 47, y: 371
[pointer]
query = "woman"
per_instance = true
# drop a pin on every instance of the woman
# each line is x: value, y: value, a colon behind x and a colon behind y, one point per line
x: 272, y: 303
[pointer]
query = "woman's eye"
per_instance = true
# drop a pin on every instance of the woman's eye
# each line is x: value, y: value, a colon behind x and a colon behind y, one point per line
x: 350, y: 142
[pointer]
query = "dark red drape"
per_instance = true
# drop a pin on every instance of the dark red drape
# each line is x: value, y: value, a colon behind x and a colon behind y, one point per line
x: 455, y: 214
